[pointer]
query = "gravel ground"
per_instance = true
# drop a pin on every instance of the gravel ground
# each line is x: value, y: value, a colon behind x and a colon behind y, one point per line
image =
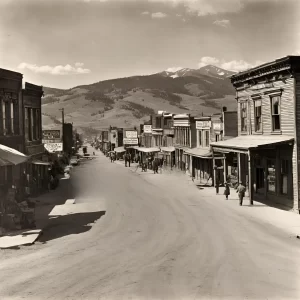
x: 160, y: 238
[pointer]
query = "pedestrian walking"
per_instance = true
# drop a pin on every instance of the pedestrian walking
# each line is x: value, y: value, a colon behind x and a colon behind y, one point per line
x: 226, y: 190
x: 217, y: 186
x: 241, y: 189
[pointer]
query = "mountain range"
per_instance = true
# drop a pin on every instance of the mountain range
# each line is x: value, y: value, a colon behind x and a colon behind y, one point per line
x: 127, y: 102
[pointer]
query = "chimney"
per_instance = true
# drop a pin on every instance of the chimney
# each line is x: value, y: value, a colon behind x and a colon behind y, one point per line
x: 224, y: 108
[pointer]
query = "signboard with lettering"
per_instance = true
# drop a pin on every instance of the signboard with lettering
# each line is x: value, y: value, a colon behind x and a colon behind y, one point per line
x: 51, y: 134
x: 203, y: 124
x: 54, y: 147
x: 128, y: 141
x: 147, y: 128
x: 218, y: 126
x: 262, y: 86
x: 131, y: 134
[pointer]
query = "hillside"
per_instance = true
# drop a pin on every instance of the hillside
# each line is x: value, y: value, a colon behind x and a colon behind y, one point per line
x: 126, y: 102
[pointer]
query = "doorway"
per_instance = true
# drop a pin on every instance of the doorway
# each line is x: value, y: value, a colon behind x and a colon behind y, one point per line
x: 260, y: 180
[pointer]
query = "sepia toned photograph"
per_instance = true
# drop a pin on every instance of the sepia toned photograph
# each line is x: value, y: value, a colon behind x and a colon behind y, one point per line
x: 149, y: 149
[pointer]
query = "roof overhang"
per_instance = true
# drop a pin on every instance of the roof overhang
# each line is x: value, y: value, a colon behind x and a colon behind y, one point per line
x: 242, y: 144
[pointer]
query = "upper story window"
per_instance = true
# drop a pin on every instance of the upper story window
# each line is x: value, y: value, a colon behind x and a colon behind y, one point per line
x: 9, y: 114
x: 275, y: 112
x: 257, y: 115
x: 243, y: 116
x: 203, y: 138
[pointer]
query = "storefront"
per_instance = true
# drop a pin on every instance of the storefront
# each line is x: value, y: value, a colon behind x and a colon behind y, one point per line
x: 265, y: 166
x: 168, y: 156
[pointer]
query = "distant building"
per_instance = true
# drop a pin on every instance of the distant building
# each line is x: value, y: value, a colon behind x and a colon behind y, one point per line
x: 36, y: 168
x: 267, y: 147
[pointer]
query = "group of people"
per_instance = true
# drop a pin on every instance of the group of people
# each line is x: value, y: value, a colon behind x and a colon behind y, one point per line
x: 240, y: 189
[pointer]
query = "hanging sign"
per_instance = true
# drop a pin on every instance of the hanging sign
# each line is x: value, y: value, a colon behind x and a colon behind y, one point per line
x: 54, y: 147
x: 131, y: 134
x: 147, y: 128
x: 127, y: 141
x: 203, y: 124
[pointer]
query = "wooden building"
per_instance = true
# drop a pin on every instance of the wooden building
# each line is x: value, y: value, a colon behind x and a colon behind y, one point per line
x: 267, y: 147
x: 11, y: 124
x: 36, y: 169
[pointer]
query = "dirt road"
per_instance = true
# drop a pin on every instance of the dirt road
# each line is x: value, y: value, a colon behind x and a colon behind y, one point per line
x: 159, y: 239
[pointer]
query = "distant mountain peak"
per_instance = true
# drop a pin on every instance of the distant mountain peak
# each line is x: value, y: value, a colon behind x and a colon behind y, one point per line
x: 208, y: 70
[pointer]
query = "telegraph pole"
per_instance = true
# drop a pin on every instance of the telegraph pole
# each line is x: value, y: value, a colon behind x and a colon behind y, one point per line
x: 62, y: 124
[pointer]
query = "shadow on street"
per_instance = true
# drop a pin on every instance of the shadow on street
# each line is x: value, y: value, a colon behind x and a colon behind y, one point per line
x: 58, y: 227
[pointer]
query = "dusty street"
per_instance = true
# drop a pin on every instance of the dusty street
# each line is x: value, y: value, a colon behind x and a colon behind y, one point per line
x: 161, y: 238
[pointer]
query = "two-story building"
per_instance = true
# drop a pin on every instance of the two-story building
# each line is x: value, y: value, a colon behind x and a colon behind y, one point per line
x: 185, y: 138
x: 36, y: 168
x: 267, y: 147
x: 11, y: 124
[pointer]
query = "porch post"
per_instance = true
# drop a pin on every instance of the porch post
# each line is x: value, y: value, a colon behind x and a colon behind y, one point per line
x: 250, y: 183
x: 225, y: 168
x: 239, y: 167
x: 214, y: 169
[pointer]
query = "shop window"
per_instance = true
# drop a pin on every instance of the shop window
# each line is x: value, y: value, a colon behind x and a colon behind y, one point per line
x: 243, y: 116
x: 271, y: 178
x: 285, y: 170
x: 275, y: 111
x: 257, y: 115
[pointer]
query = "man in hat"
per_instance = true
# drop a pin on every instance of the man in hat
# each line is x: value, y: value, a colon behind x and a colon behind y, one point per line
x: 241, y: 189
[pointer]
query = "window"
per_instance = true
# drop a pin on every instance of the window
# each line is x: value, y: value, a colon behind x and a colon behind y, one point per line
x: 275, y: 111
x: 217, y: 137
x: 206, y: 138
x: 29, y: 124
x: 12, y: 118
x: 200, y: 143
x: 7, y: 118
x: 257, y: 115
x: 243, y: 116
x: 165, y: 122
x: 285, y: 167
x: 34, y: 123
x: 271, y: 178
x: 38, y: 125
x: 4, y: 118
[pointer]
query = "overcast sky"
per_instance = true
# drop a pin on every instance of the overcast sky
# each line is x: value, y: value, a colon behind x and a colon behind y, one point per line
x: 65, y: 43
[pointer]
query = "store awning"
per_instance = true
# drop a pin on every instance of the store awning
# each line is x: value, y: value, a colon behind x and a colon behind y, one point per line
x: 119, y: 150
x: 205, y: 153
x: 10, y: 156
x: 148, y: 150
x: 248, y: 142
x: 167, y: 149
x: 39, y: 162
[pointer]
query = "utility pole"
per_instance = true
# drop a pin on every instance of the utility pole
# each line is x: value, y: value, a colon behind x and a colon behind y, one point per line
x: 62, y: 124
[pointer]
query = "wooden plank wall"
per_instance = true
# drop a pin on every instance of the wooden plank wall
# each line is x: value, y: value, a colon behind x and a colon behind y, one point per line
x: 287, y: 109
x: 296, y: 150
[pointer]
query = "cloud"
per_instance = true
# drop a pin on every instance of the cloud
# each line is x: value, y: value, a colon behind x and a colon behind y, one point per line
x: 223, y: 23
x: 56, y: 70
x: 158, y: 15
x: 207, y: 7
x: 145, y: 13
x: 174, y: 69
x: 207, y: 60
x: 233, y: 65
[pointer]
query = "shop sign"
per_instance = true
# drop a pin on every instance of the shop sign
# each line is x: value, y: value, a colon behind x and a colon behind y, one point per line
x: 128, y: 141
x: 262, y: 86
x: 51, y: 134
x: 218, y: 126
x: 147, y: 128
x: 203, y: 124
x: 54, y: 147
x: 131, y: 134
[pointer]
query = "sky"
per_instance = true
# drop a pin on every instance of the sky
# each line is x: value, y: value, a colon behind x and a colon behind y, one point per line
x: 66, y: 43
